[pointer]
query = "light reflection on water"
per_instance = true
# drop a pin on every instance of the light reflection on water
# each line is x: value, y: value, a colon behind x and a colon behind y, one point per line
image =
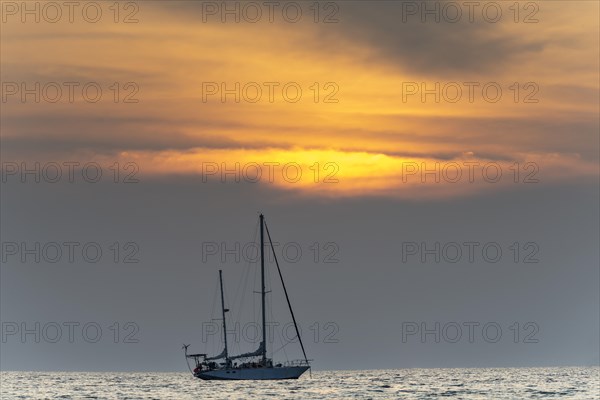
x: 493, y: 383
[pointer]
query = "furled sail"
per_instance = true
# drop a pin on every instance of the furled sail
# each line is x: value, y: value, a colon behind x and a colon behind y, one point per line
x: 258, y: 352
x: 222, y: 355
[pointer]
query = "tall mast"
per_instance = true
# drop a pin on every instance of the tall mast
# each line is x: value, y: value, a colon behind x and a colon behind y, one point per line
x: 224, y: 310
x: 263, y: 293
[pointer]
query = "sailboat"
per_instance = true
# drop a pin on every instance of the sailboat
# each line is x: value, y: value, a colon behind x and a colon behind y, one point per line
x: 256, y: 365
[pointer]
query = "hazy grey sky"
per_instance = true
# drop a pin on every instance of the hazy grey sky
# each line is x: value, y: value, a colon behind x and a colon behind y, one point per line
x: 369, y: 294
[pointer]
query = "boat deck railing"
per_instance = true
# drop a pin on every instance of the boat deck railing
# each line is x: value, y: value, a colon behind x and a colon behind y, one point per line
x: 297, y: 363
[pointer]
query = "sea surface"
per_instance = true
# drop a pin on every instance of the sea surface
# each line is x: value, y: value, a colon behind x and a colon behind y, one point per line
x: 493, y: 383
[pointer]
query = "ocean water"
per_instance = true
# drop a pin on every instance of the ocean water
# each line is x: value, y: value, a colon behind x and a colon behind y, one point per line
x: 493, y: 383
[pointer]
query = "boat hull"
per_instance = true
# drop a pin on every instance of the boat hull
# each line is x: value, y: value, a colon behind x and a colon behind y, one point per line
x: 235, y: 374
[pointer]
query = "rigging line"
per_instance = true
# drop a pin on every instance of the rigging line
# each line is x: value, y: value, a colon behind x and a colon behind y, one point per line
x: 237, y: 310
x: 244, y: 274
x: 285, y: 352
x: 269, y: 288
x: 282, y: 340
x: 244, y: 279
x: 188, y: 364
x: 224, y: 315
x: 255, y: 299
x: 242, y: 298
x: 270, y: 307
x: 212, y: 318
x: 271, y: 315
x: 240, y: 308
x: 283, y: 348
x: 286, y: 293
x: 212, y: 311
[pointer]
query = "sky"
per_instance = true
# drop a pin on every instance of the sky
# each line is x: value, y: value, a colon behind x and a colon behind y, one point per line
x: 377, y: 137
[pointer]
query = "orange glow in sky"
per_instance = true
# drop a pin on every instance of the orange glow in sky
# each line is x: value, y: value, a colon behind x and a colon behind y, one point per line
x: 363, y: 113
